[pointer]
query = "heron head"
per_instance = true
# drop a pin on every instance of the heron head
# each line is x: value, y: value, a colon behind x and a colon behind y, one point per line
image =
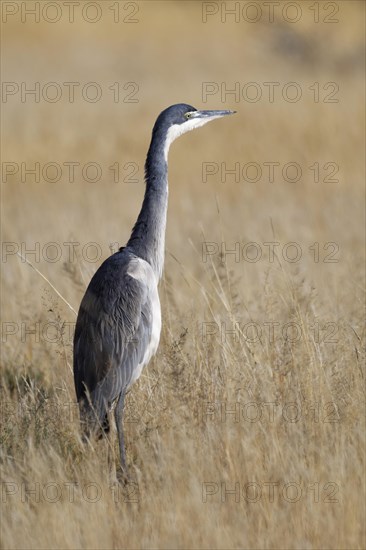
x: 181, y: 118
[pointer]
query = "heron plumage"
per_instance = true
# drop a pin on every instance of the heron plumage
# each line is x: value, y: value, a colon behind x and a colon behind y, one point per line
x: 119, y: 320
x: 114, y: 329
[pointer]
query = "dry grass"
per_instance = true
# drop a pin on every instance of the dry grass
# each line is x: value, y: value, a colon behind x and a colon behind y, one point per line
x: 184, y: 445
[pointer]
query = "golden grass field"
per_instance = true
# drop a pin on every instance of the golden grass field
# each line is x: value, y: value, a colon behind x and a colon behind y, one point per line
x: 247, y: 429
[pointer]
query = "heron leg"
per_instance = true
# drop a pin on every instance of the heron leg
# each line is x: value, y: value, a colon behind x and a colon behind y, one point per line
x: 110, y: 439
x: 118, y: 414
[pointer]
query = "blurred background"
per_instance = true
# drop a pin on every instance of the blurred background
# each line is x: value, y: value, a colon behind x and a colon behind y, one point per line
x: 100, y: 73
x: 157, y: 54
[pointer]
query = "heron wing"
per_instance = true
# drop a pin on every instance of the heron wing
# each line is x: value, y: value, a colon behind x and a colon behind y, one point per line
x: 114, y: 328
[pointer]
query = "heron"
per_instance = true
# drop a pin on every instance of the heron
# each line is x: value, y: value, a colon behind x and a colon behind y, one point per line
x: 118, y: 325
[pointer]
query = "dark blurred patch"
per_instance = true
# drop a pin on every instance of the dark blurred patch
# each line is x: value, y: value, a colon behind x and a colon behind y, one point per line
x: 289, y: 42
x: 313, y: 50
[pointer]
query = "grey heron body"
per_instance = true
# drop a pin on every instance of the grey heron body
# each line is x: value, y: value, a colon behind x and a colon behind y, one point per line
x: 119, y: 320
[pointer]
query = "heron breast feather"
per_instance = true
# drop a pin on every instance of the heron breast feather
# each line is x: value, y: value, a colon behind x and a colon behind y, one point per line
x: 142, y: 271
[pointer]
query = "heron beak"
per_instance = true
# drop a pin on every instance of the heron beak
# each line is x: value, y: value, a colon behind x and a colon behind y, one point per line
x: 211, y: 114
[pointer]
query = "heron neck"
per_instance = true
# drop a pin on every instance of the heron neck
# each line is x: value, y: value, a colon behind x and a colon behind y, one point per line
x: 148, y: 235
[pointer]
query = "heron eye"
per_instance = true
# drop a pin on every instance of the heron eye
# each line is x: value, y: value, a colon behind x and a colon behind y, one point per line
x: 188, y: 115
